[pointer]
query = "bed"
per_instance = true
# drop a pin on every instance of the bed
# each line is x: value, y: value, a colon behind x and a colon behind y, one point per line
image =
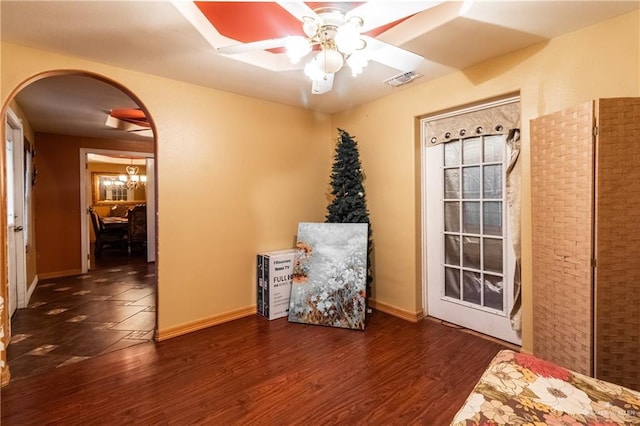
x: 519, y: 389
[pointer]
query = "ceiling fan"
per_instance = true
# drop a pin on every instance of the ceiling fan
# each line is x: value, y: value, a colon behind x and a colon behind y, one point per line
x: 132, y: 120
x: 335, y: 36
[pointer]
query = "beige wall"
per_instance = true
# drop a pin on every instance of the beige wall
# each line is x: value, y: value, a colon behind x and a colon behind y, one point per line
x: 235, y: 175
x: 600, y: 61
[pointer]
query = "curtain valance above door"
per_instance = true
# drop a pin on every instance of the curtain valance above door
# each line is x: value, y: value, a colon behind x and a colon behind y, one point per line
x: 492, y: 120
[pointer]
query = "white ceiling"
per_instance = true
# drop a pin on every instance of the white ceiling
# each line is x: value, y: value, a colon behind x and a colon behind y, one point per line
x: 155, y: 38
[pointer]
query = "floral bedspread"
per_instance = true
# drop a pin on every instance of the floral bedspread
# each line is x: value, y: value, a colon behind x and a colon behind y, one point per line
x: 520, y: 389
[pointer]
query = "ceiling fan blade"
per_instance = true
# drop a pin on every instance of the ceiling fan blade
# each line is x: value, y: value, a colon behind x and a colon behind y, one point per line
x: 299, y: 9
x: 322, y: 86
x: 376, y: 14
x: 253, y: 46
x: 391, y: 56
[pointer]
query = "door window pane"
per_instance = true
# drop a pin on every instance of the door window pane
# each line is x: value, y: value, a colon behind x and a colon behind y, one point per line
x: 492, y: 253
x: 471, y: 217
x: 471, y: 151
x: 452, y: 250
x: 472, y: 286
x: 471, y: 182
x: 452, y: 283
x: 492, y: 181
x: 452, y: 153
x: 492, y: 218
x: 452, y: 216
x: 471, y: 252
x: 452, y: 183
x: 493, y: 147
x: 493, y: 292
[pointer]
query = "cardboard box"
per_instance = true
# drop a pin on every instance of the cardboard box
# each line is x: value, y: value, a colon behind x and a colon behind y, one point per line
x: 275, y: 270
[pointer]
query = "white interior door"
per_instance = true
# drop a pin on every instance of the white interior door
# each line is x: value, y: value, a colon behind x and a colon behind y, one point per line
x: 469, y: 256
x: 151, y: 210
x: 11, y: 239
x: 16, y: 255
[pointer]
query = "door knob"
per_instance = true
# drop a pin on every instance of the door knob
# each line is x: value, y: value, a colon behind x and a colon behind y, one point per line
x: 17, y: 229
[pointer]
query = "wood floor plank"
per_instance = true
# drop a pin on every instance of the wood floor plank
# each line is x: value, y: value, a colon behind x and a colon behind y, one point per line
x: 254, y: 371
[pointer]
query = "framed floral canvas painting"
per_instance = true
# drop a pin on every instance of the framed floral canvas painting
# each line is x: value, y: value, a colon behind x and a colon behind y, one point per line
x: 329, y: 275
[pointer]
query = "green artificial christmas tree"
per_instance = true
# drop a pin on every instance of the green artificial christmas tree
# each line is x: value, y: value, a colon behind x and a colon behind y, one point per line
x: 349, y: 204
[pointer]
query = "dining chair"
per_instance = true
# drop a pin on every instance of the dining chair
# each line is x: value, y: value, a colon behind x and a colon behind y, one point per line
x: 137, y: 230
x: 116, y: 239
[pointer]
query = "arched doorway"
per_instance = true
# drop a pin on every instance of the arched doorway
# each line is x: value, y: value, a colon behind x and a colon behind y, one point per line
x: 59, y: 217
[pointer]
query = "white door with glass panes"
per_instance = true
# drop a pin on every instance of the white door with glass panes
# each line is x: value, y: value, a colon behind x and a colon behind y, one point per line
x: 469, y: 256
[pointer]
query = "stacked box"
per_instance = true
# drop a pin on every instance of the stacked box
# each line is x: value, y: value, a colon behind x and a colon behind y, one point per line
x: 275, y: 270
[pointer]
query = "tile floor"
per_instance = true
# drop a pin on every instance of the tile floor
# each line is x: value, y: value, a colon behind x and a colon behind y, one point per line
x: 74, y: 318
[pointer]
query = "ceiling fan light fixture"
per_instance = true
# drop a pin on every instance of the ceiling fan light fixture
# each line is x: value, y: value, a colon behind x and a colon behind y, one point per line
x: 312, y: 71
x: 297, y: 47
x: 310, y: 26
x: 329, y: 60
x: 357, y: 61
x: 347, y: 37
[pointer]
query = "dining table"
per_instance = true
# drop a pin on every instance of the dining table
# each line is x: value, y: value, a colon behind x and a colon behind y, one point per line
x: 114, y: 222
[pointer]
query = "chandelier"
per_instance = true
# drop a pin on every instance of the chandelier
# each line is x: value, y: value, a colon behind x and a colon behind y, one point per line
x: 339, y: 42
x: 132, y: 180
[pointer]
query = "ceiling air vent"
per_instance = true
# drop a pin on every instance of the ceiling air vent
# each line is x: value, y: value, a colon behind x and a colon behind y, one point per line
x: 401, y: 79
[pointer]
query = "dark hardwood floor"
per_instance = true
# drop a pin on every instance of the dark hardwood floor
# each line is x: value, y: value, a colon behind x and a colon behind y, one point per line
x: 113, y: 257
x: 254, y: 371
